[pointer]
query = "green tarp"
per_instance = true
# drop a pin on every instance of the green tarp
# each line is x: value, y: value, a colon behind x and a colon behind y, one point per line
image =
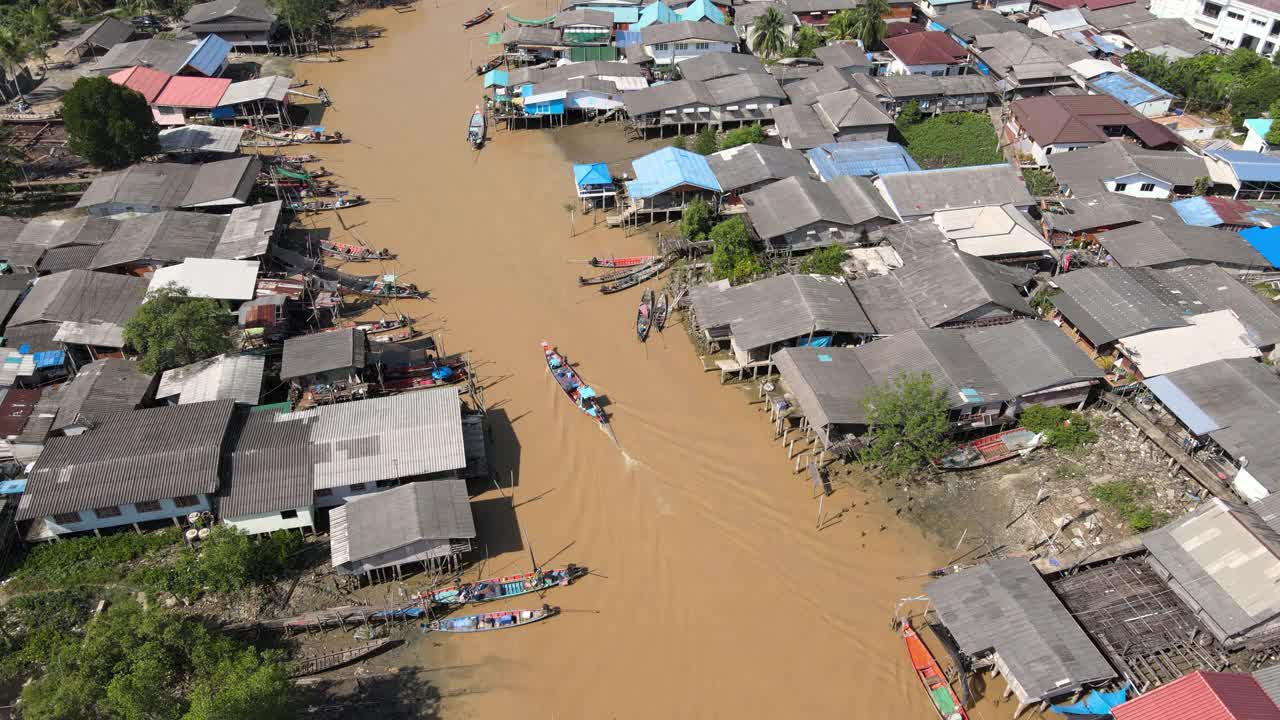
x: 599, y: 52
x: 532, y: 23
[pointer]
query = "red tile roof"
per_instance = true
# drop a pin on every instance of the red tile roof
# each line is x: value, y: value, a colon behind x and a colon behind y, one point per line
x: 926, y: 48
x: 193, y: 92
x: 143, y: 80
x: 1203, y: 696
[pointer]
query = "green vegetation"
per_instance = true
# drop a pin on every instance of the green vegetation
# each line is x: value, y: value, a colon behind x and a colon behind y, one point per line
x: 696, y: 219
x: 769, y: 33
x: 1063, y: 429
x: 842, y: 27
x: 680, y: 143
x: 869, y: 25
x: 704, y: 143
x: 1126, y: 498
x: 1042, y: 302
x: 1040, y: 182
x: 1240, y: 81
x: 824, y: 261
x: 108, y: 124
x: 910, y: 114
x: 87, y: 560
x: 951, y: 140
x: 743, y: 136
x: 227, y: 561
x: 804, y: 42
x: 34, y: 627
x: 130, y: 663
x: 173, y: 329
x: 1202, y: 185
x: 907, y: 424
x: 732, y: 257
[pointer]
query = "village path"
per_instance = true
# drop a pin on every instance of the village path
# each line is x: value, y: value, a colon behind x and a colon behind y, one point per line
x: 719, y: 597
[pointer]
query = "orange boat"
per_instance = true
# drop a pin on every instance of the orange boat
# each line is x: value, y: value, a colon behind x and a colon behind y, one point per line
x: 935, y: 682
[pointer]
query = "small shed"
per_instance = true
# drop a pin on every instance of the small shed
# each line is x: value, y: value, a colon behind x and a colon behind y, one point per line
x: 593, y: 182
x: 426, y: 522
x: 210, y: 278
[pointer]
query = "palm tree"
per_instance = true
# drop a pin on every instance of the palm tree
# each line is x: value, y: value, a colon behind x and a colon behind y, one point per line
x: 869, y: 26
x: 14, y: 51
x: 842, y: 26
x: 879, y: 7
x: 769, y: 33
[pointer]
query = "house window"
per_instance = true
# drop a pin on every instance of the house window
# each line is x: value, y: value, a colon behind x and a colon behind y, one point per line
x: 661, y: 47
x: 385, y: 483
x: 1235, y: 15
x: 1258, y: 21
x: 109, y: 511
x: 186, y: 501
x: 1148, y: 187
x: 1267, y: 47
x: 66, y: 518
x: 1275, y: 28
x: 324, y: 492
x: 682, y: 46
x: 358, y: 487
x: 1211, y: 10
x: 288, y: 514
x: 702, y: 46
x: 147, y: 506
x: 1048, y: 151
x: 1121, y: 186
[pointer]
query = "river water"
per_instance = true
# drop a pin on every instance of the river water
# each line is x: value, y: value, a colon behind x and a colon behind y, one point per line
x: 716, y: 595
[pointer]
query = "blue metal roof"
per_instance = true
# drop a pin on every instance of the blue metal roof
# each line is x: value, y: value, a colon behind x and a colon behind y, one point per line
x: 209, y: 55
x: 621, y: 15
x: 1129, y: 88
x: 626, y: 38
x: 496, y: 78
x: 865, y: 158
x: 655, y: 14
x: 550, y: 107
x: 1250, y: 166
x: 593, y: 174
x: 1197, y: 211
x: 670, y: 167
x: 1196, y: 420
x: 1266, y: 241
x: 50, y: 358
x: 702, y: 10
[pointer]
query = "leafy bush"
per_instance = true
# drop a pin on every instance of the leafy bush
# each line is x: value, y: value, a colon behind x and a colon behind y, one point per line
x: 1062, y: 428
x: 743, y: 136
x: 705, y: 142
x: 1117, y: 494
x: 1040, y: 182
x: 910, y: 114
x: 227, y: 561
x: 173, y: 329
x: 695, y: 221
x: 824, y: 261
x: 1203, y: 184
x: 907, y: 424
x: 1124, y: 497
x: 107, y: 124
x: 37, y: 627
x: 952, y: 140
x: 680, y: 143
x: 732, y: 257
x: 87, y: 560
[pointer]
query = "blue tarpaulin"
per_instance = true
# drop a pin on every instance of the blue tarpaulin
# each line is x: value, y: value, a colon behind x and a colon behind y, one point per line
x: 593, y: 174
x: 669, y: 168
x: 818, y: 341
x: 223, y: 113
x: 13, y: 487
x: 51, y: 358
x: 1266, y: 241
x: 1129, y: 89
x: 1095, y: 703
x: 864, y: 158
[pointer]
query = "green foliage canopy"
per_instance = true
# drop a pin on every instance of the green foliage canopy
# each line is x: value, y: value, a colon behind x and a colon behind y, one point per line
x: 951, y: 140
x: 695, y: 221
x: 805, y: 41
x: 907, y: 424
x: 731, y: 256
x: 743, y: 136
x: 173, y: 329
x: 1064, y: 429
x: 705, y: 141
x: 108, y: 124
x: 824, y: 261
x: 769, y: 33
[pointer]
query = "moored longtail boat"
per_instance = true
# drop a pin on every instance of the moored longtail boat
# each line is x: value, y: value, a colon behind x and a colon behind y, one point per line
x: 500, y: 588
x: 582, y: 395
x: 644, y: 315
x: 358, y: 253
x: 488, y: 13
x: 930, y: 673
x: 622, y: 262
x: 475, y: 129
x: 339, y: 202
x: 491, y: 65
x: 661, y: 311
x: 646, y: 272
x: 383, y: 286
x: 989, y: 450
x: 491, y: 621
x: 613, y: 275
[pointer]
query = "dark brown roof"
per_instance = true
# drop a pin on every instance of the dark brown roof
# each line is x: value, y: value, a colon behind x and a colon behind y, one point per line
x: 926, y: 48
x: 102, y: 388
x: 15, y: 408
x: 1080, y: 118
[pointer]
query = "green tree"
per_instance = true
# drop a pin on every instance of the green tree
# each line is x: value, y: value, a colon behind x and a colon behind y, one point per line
x: 824, y: 261
x: 40, y: 28
x: 1255, y: 95
x: 1040, y: 183
x: 1062, y: 428
x: 731, y: 256
x: 172, y: 329
x: 805, y: 41
x: 743, y: 136
x: 1202, y: 185
x: 303, y: 17
x: 869, y: 22
x: 15, y: 48
x: 705, y: 141
x: 907, y: 424
x: 695, y: 221
x: 108, y: 124
x: 769, y: 33
x: 842, y: 27
x: 680, y: 143
x: 909, y: 114
x: 1273, y: 133
x: 243, y: 686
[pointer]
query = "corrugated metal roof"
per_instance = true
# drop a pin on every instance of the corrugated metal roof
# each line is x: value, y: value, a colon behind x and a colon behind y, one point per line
x: 209, y: 278
x: 223, y: 377
x: 12, y: 288
x: 1227, y: 559
x: 851, y: 109
x: 167, y: 56
x: 926, y: 48
x: 1006, y: 607
x: 1250, y: 166
x: 15, y: 407
x: 249, y: 231
x: 104, y: 34
x: 915, y: 194
x: 70, y: 257
x: 744, y: 87
x: 128, y: 458
x: 1269, y: 678
x: 1129, y: 89
x: 686, y: 30
x: 167, y: 236
x: 81, y: 296
x: 945, y: 355
x: 102, y: 388
x: 842, y: 55
x: 827, y: 80
x: 714, y: 65
x: 391, y: 519
x: 668, y: 168
x: 1208, y: 337
x: 992, y: 231
x: 271, y: 87
x: 746, y: 165
x: 1202, y: 695
x: 223, y: 183
x: 1106, y: 304
x: 943, y: 284
x: 667, y: 96
x: 702, y: 10
x: 173, y: 185
x: 794, y: 203
x: 828, y: 383
x: 201, y: 138
x: 865, y: 158
x: 209, y: 55
x: 323, y: 352
x: 1031, y: 355
x: 142, y: 80
x: 1208, y: 288
x: 1167, y: 243
x: 800, y: 127
x: 780, y: 308
x: 886, y: 304
x: 269, y: 469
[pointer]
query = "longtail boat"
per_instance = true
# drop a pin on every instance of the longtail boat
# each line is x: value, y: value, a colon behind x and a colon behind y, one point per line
x: 435, y: 373
x: 644, y: 315
x: 312, y: 664
x: 383, y: 286
x: 475, y: 129
x: 582, y: 395
x: 491, y: 621
x: 392, y: 336
x: 931, y: 677
x: 645, y: 273
x: 500, y: 588
x: 376, y: 326
x: 356, y: 253
x: 614, y: 275
x: 989, y: 450
x: 488, y: 13
x: 300, y: 159
x: 613, y: 262
x: 661, y: 311
x: 340, y: 202
x: 491, y: 65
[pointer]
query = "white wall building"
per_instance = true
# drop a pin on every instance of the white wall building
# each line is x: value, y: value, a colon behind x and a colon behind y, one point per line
x: 1229, y: 24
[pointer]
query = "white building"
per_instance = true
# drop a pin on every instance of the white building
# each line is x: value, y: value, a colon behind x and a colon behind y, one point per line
x: 670, y: 43
x: 1229, y: 24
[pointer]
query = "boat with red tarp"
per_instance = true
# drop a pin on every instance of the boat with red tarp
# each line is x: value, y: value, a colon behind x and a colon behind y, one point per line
x: 935, y: 683
x: 622, y: 262
x: 989, y: 450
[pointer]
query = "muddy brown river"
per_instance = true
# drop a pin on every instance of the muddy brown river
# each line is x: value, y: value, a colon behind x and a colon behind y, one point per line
x: 716, y: 595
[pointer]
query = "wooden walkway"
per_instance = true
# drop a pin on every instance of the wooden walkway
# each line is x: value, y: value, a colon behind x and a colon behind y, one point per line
x: 1207, y: 479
